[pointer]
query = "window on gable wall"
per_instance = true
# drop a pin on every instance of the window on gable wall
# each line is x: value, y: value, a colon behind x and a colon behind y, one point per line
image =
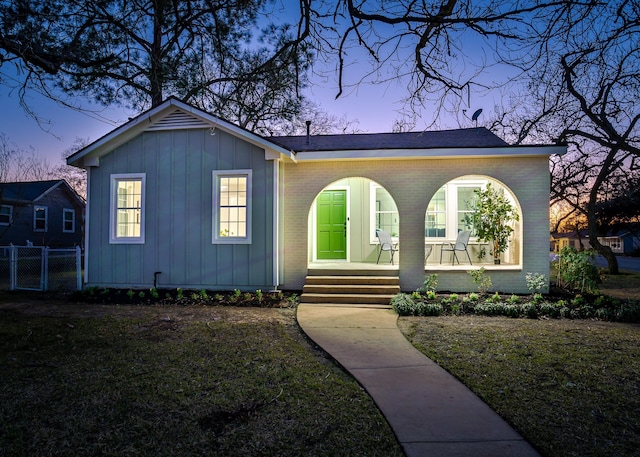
x: 127, y: 208
x: 6, y: 214
x: 40, y: 222
x: 68, y: 220
x: 231, y: 207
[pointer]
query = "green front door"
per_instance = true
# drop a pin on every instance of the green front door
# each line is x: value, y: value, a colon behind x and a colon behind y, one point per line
x: 331, y: 222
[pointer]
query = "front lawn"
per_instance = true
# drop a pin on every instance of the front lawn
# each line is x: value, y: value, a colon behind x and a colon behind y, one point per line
x: 570, y: 387
x: 175, y: 381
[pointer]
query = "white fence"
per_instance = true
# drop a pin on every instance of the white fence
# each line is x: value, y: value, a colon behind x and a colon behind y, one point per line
x: 40, y: 268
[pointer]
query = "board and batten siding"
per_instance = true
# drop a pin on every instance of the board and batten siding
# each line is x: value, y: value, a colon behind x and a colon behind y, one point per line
x: 178, y: 209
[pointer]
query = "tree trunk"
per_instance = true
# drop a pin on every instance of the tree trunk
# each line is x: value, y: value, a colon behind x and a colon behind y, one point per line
x: 156, y: 74
x: 592, y: 217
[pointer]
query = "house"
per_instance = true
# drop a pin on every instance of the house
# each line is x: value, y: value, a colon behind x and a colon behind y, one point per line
x: 624, y: 241
x: 42, y: 213
x: 578, y: 240
x: 180, y: 198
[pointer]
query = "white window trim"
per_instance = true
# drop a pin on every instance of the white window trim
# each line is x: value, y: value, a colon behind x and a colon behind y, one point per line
x: 451, y: 205
x: 46, y: 218
x: 73, y: 220
x: 373, y: 239
x: 10, y: 214
x: 215, y: 223
x: 113, y: 206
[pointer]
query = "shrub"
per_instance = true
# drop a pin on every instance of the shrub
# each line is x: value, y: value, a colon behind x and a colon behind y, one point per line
x: 481, y: 279
x: 552, y: 310
x: 576, y: 270
x: 514, y: 300
x: 536, y: 282
x: 403, y: 304
x: 430, y: 283
x: 530, y: 310
x: 431, y: 295
x: 629, y: 312
x: 429, y: 309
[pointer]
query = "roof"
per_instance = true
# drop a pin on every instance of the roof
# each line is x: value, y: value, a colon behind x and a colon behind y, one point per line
x: 479, y: 137
x: 32, y: 191
x: 174, y: 114
x: 26, y: 191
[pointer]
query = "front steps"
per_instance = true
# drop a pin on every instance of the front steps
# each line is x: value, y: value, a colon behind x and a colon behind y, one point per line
x: 351, y: 288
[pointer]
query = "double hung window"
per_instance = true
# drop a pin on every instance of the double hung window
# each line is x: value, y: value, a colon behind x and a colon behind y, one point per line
x: 232, y: 207
x: 127, y: 208
x: 40, y: 216
x: 68, y: 220
x: 6, y: 214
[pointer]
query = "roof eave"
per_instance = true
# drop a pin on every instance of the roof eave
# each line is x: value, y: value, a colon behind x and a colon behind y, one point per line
x: 434, y: 153
x: 90, y: 155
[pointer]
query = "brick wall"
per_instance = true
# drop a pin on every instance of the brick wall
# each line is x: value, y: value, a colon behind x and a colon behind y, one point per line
x: 412, y: 183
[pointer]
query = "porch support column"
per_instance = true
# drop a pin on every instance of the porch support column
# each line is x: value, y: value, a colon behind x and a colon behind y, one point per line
x: 411, y: 246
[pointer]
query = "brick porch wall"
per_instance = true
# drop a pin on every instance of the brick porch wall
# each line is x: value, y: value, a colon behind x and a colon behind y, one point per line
x: 412, y: 183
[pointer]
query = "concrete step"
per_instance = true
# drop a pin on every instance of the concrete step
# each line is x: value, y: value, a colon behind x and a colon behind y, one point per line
x: 374, y: 299
x: 354, y: 280
x: 371, y: 289
x: 354, y: 272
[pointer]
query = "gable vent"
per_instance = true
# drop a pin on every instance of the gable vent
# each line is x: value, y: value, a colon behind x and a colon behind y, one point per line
x: 179, y: 120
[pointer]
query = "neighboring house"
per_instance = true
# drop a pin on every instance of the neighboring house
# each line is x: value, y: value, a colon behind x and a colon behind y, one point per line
x: 577, y: 240
x: 42, y: 213
x: 191, y: 200
x: 621, y: 241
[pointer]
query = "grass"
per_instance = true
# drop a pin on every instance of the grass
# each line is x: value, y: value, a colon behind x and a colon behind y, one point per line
x: 175, y: 381
x: 572, y: 388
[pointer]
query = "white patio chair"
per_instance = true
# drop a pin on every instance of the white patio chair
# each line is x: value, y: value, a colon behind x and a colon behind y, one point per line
x: 460, y: 245
x: 386, y: 244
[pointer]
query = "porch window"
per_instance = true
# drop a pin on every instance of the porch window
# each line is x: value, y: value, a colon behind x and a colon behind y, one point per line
x: 127, y: 208
x: 6, y: 214
x: 448, y: 207
x: 40, y: 221
x: 436, y: 219
x: 445, y: 218
x: 68, y: 220
x: 232, y: 207
x: 384, y: 212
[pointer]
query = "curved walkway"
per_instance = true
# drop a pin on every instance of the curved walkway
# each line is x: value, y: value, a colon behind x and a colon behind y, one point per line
x: 431, y: 412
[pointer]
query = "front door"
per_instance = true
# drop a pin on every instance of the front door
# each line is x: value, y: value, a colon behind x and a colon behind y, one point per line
x: 331, y: 222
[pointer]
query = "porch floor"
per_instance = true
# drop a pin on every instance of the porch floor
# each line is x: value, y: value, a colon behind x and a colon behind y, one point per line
x: 352, y: 266
x: 430, y: 266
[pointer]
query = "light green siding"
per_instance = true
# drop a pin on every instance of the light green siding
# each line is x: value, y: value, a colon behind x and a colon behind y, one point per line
x: 178, y: 209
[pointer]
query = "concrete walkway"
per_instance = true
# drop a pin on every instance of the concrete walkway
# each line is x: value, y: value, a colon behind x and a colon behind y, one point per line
x: 431, y: 413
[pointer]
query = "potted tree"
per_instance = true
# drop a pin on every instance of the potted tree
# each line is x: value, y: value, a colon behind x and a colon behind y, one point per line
x: 491, y: 217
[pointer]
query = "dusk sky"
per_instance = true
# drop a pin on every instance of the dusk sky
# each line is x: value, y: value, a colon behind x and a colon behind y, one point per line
x: 374, y: 107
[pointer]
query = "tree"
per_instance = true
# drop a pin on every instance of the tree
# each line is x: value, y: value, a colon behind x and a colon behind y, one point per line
x: 138, y: 52
x: 18, y: 164
x: 584, y: 93
x: 441, y: 49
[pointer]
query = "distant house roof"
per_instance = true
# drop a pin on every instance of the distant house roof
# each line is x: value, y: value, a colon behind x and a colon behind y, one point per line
x: 584, y: 233
x: 31, y: 191
x: 462, y: 138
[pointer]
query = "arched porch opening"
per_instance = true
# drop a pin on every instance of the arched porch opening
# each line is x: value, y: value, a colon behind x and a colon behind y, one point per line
x: 342, y: 223
x: 445, y: 219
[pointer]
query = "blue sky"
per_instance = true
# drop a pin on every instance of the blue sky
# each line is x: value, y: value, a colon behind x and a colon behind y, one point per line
x: 374, y: 107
